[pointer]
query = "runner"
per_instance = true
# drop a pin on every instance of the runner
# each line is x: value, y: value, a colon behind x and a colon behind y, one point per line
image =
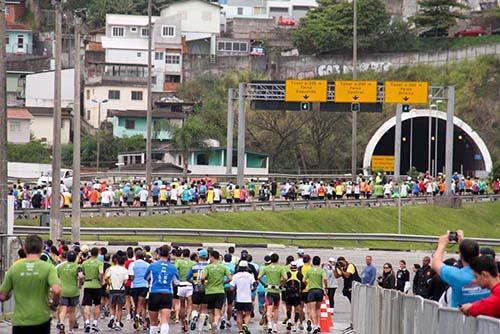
x: 213, y: 278
x: 139, y: 288
x: 243, y: 284
x: 275, y: 275
x: 293, y: 290
x: 316, y: 280
x: 185, y: 289
x: 162, y: 275
x: 93, y: 271
x: 71, y: 276
x: 226, y: 322
x: 117, y: 276
x: 199, y: 302
x: 30, y: 281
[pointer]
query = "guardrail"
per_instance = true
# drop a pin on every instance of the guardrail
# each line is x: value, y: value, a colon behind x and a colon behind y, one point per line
x: 249, y: 206
x: 166, y: 232
x: 381, y: 311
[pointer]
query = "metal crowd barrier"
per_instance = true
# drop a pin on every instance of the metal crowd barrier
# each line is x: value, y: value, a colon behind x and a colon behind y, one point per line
x: 381, y: 311
x: 250, y: 206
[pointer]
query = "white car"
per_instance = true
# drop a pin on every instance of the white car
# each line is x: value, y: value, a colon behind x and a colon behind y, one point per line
x: 66, y: 177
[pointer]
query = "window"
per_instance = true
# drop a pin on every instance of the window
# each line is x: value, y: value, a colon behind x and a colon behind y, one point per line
x: 130, y: 124
x: 158, y: 55
x: 7, y: 40
x: 228, y: 46
x: 88, y: 94
x: 136, y: 95
x: 172, y: 78
x: 118, y: 32
x: 139, y: 54
x: 220, y: 46
x: 232, y: 46
x: 236, y: 46
x: 15, y: 126
x: 243, y: 47
x: 88, y: 115
x: 168, y: 31
x: 144, y: 32
x: 153, y: 80
x: 114, y: 94
x: 133, y: 29
x: 240, y: 10
x: 20, y: 41
x: 259, y: 11
x: 202, y: 159
x: 172, y: 59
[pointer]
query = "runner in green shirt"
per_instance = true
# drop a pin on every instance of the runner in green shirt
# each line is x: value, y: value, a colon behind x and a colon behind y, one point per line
x: 275, y: 275
x: 71, y: 276
x: 92, y: 290
x: 213, y: 279
x: 185, y: 288
x: 30, y: 280
x: 315, y: 277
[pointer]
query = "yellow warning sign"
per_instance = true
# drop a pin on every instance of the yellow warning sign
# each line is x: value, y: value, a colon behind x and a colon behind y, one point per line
x: 406, y: 92
x: 355, y: 91
x: 384, y: 162
x: 306, y: 90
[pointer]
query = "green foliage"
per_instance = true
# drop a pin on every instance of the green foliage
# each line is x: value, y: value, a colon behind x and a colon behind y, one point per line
x: 441, y: 14
x: 34, y: 151
x: 329, y: 27
x: 495, y: 173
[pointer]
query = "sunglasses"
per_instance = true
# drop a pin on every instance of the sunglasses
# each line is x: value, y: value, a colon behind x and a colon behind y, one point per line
x: 387, y: 268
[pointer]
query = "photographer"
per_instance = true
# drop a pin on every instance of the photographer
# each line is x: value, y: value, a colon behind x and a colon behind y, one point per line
x: 349, y: 273
x: 461, y: 280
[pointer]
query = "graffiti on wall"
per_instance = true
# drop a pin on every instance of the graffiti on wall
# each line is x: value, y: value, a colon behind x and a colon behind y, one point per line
x: 327, y: 69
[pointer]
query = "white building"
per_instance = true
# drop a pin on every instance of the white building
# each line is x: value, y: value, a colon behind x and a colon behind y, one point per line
x: 244, y: 8
x: 293, y: 8
x: 40, y: 89
x: 18, y: 125
x: 42, y: 124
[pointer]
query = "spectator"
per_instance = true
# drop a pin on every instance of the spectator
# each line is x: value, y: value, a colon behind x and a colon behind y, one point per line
x: 490, y: 252
x: 486, y: 274
x: 349, y: 273
x: 422, y: 278
x: 437, y: 286
x: 369, y: 273
x: 461, y: 280
x: 496, y: 186
x: 403, y: 278
x: 388, y: 279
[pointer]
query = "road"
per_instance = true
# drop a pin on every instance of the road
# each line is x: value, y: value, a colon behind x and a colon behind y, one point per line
x: 342, y: 311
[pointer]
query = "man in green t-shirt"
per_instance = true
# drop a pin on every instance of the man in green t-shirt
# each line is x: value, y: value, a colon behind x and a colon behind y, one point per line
x: 185, y: 288
x: 213, y: 278
x: 315, y: 278
x: 31, y: 280
x: 275, y: 275
x: 92, y: 289
x: 71, y: 276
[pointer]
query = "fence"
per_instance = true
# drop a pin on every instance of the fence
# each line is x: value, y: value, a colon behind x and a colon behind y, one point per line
x: 380, y: 311
x: 250, y: 206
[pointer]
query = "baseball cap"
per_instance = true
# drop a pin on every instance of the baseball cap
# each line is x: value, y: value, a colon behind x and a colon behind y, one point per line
x: 487, y: 251
x: 267, y: 259
x: 244, y: 256
x: 243, y: 264
x: 332, y: 259
x: 300, y: 252
x: 227, y: 258
x: 293, y: 264
x: 203, y: 254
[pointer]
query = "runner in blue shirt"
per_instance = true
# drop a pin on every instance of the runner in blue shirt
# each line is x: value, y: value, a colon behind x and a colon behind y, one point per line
x: 199, y: 303
x: 139, y: 288
x: 162, y: 274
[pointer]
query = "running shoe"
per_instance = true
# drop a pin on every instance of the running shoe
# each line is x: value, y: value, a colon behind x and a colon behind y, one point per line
x: 137, y: 322
x: 87, y: 328
x: 60, y: 327
x: 95, y: 329
x: 289, y: 326
x: 309, y: 326
x: 222, y: 323
x: 193, y: 323
x: 111, y: 323
x: 245, y: 329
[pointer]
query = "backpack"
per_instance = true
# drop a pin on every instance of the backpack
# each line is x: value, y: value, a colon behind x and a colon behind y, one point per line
x: 293, y: 285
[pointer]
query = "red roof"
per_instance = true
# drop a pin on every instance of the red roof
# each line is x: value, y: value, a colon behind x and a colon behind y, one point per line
x: 16, y: 26
x: 94, y: 46
x: 18, y: 113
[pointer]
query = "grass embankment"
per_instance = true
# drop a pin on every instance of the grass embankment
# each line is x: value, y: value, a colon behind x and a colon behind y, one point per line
x: 434, y: 44
x: 477, y: 220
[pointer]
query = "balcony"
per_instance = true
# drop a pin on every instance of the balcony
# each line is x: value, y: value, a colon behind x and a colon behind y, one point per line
x: 108, y: 74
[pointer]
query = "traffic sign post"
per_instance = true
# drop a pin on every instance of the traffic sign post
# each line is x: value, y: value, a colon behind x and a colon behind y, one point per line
x: 306, y: 90
x: 406, y: 92
x: 355, y: 91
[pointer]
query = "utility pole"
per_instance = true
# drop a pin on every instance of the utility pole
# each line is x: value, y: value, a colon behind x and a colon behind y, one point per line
x: 55, y: 210
x: 397, y: 159
x: 230, y: 125
x: 149, y: 115
x: 354, y: 148
x: 4, y: 188
x: 241, y: 134
x: 449, y: 139
x: 80, y: 16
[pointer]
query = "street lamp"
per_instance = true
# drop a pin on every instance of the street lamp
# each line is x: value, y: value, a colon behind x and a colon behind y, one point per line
x: 98, y: 129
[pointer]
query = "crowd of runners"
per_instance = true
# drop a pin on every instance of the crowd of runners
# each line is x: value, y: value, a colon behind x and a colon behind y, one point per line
x: 205, y: 191
x: 207, y: 290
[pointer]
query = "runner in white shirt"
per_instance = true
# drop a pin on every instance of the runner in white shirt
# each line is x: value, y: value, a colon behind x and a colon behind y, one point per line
x: 143, y: 196
x: 107, y: 197
x: 388, y: 190
x: 117, y: 277
x: 243, y: 284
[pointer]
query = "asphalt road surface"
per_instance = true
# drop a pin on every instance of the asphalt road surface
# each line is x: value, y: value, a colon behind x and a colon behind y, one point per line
x: 342, y: 312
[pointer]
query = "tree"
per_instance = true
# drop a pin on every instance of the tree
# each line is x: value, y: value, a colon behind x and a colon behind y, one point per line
x: 441, y: 14
x: 329, y: 27
x: 34, y: 151
x: 188, y: 137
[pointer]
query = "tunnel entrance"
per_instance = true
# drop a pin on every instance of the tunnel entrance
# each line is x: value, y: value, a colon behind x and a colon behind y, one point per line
x: 470, y: 155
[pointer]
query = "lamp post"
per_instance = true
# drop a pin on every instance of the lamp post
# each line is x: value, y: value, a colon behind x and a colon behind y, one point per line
x: 98, y: 137
x: 354, y: 147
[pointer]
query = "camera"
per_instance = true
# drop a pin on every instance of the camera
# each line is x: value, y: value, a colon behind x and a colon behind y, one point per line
x: 453, y: 237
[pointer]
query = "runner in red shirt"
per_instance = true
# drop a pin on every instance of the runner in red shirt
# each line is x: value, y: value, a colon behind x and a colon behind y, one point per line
x: 128, y: 299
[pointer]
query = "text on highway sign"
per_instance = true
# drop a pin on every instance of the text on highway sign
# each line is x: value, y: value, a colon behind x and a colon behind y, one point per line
x: 406, y: 92
x: 355, y: 91
x: 306, y: 90
x: 384, y: 162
